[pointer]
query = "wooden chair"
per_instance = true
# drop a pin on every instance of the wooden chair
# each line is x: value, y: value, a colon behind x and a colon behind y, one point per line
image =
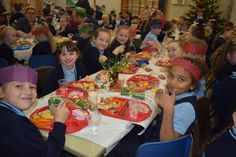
x: 42, y: 77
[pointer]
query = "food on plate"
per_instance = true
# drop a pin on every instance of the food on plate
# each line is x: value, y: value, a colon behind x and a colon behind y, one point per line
x: 162, y: 77
x: 103, y: 76
x: 80, y: 114
x: 143, y: 108
x: 112, y: 104
x: 84, y: 103
x: 148, y: 69
x: 85, y: 85
x: 165, y: 63
x: 127, y: 68
x: 46, y: 114
x: 143, y: 55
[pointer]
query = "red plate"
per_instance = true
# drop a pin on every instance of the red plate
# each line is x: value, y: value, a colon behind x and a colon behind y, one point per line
x: 144, y: 82
x: 73, y: 124
x: 70, y: 93
x: 83, y: 85
x: 148, y: 49
x: 113, y: 104
x: 143, y: 55
x: 132, y: 69
x: 124, y: 113
x: 165, y: 64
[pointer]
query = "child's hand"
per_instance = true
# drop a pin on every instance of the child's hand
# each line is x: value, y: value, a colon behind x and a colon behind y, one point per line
x: 61, y: 113
x: 127, y: 55
x: 119, y: 49
x: 166, y: 101
x: 102, y: 58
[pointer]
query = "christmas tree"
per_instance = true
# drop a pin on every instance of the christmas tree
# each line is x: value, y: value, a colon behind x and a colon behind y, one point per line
x: 210, y: 10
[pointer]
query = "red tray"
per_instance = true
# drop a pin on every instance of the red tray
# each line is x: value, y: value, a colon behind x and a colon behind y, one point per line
x: 124, y: 113
x: 133, y: 69
x: 73, y: 85
x: 148, y: 49
x: 73, y: 125
x: 148, y: 80
x: 70, y: 93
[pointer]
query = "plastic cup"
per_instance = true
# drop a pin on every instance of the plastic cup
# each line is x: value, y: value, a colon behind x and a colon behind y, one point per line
x: 62, y: 82
x: 94, y: 122
x: 133, y: 109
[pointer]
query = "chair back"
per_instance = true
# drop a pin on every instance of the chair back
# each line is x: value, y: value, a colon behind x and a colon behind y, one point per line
x: 174, y: 148
x: 3, y: 63
x: 37, y: 61
x: 43, y: 73
x: 202, y: 129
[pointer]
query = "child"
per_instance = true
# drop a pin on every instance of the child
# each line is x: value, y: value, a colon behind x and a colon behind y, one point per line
x: 178, y: 112
x: 175, y: 49
x: 65, y: 27
x: 196, y: 48
x: 46, y: 42
x: 224, y: 143
x: 94, y: 52
x: 106, y: 22
x: 7, y: 38
x: 151, y: 39
x: 120, y: 45
x: 69, y: 68
x: 85, y: 34
x: 224, y: 84
x: 223, y: 36
x: 19, y: 137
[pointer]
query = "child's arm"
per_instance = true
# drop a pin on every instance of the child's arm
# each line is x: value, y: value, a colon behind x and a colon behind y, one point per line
x: 166, y: 102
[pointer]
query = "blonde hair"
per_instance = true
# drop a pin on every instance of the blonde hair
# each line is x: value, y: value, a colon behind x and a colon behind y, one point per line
x: 3, y: 32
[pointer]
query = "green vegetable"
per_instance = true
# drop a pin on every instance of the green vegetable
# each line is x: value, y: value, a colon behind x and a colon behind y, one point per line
x: 139, y: 95
x: 82, y: 104
x: 125, y: 91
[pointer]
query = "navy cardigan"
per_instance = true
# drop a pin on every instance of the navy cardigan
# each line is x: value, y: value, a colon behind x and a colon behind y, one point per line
x: 57, y: 74
x: 20, y: 138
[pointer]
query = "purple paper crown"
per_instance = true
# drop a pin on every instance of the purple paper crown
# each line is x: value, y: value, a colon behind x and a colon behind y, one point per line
x: 18, y: 73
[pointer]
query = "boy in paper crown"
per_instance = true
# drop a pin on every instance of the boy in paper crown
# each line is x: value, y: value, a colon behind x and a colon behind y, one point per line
x: 46, y: 42
x: 178, y: 113
x: 18, y: 135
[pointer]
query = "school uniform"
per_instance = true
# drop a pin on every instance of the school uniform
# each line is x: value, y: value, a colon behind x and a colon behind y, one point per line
x: 223, y: 97
x: 91, y: 58
x: 15, y: 17
x: 42, y: 48
x: 224, y: 146
x: 218, y: 42
x: 23, y: 25
x: 67, y: 30
x: 19, y: 137
x: 184, y: 119
x: 76, y: 73
x: 109, y: 51
x: 7, y: 53
x: 150, y: 36
x: 225, y: 71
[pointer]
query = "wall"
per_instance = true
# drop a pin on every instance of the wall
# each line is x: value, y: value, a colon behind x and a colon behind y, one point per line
x: 110, y: 4
x: 233, y: 14
x: 173, y: 11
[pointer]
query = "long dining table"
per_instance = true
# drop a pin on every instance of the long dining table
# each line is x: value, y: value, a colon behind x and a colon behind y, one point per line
x: 111, y: 130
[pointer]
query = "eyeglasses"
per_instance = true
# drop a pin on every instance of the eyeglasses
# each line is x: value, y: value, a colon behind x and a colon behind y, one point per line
x: 31, y: 13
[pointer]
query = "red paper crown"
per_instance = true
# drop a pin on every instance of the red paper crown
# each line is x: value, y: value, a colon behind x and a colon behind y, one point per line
x: 189, y: 66
x: 195, y: 49
x: 40, y: 30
